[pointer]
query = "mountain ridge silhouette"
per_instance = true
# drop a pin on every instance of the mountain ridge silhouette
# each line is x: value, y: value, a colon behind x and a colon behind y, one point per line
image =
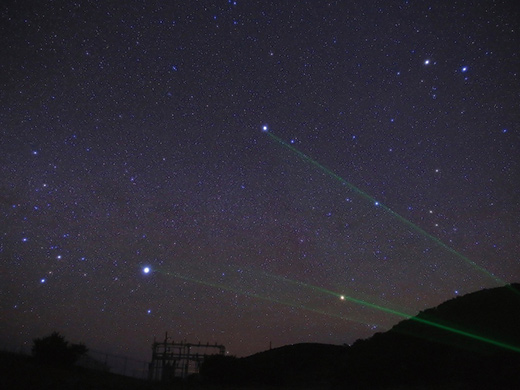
x: 470, y: 341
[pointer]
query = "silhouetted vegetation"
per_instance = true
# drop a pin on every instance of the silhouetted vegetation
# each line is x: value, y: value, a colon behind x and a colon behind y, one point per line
x: 19, y: 372
x: 482, y: 353
x: 55, y: 350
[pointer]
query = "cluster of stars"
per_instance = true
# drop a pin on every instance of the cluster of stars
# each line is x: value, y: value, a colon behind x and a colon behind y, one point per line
x: 142, y: 187
x: 463, y: 69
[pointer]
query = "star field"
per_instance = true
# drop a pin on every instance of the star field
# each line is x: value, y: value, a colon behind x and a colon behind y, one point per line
x: 143, y: 189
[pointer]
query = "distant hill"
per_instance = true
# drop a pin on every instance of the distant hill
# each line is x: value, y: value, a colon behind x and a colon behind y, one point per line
x: 295, y: 365
x: 469, y: 342
x: 472, y: 340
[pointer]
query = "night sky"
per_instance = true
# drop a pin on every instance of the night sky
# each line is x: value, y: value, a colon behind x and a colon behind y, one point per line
x: 132, y: 136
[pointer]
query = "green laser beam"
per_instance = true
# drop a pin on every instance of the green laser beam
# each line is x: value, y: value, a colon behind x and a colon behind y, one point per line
x: 436, y: 325
x: 257, y: 296
x: 382, y: 206
x: 341, y: 297
x: 337, y: 295
x: 467, y: 334
x: 406, y: 316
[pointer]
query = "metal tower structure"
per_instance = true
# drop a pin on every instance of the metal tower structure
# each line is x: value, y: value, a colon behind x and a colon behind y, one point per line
x: 172, y: 359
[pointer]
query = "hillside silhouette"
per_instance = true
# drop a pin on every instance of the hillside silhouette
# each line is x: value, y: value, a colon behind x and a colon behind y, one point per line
x: 291, y: 365
x: 473, y: 340
x: 469, y: 342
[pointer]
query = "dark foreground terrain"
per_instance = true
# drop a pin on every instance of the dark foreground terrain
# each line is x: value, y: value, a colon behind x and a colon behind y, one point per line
x: 467, y: 343
x: 19, y: 372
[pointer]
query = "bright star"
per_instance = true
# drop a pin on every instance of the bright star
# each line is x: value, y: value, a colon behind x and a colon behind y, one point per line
x: 426, y: 62
x: 146, y: 270
x: 342, y: 297
x: 265, y: 129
